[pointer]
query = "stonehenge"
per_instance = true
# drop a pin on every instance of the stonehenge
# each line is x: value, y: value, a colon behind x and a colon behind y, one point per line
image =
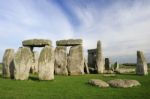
x: 67, y: 58
x: 141, y: 68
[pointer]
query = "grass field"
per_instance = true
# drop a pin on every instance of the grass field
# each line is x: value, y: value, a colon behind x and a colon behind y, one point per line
x: 72, y: 87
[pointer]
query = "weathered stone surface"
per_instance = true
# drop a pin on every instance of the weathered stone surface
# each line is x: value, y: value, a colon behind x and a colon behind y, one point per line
x: 46, y: 64
x: 92, y: 58
x: 99, y: 58
x: 86, y: 69
x: 76, y: 60
x: 141, y: 68
x: 61, y: 60
x: 8, y: 66
x: 123, y: 83
x: 108, y: 72
x: 109, y: 75
x: 34, y: 68
x: 37, y: 42
x: 116, y: 66
x: 69, y: 42
x: 22, y: 63
x: 98, y: 83
x: 107, y: 64
x: 125, y: 70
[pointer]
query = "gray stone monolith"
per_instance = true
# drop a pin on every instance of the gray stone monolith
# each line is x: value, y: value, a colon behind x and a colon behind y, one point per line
x: 76, y: 60
x: 8, y: 66
x: 141, y: 68
x: 46, y: 64
x: 107, y: 64
x: 116, y: 66
x: 22, y: 63
x: 99, y: 58
x: 61, y: 60
x: 34, y: 68
x: 86, y: 68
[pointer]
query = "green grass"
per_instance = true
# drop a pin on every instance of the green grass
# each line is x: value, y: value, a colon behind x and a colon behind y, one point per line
x: 72, y: 87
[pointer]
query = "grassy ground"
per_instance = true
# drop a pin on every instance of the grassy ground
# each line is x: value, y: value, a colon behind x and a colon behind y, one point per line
x: 72, y: 87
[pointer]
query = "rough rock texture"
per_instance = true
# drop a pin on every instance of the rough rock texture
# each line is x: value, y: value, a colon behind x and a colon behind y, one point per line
x: 76, y: 60
x: 125, y: 70
x: 99, y: 83
x: 22, y: 63
x: 107, y: 64
x: 123, y: 83
x: 99, y: 58
x: 61, y: 60
x: 8, y: 66
x: 34, y: 68
x: 46, y: 64
x: 141, y: 68
x: 86, y: 69
x: 109, y: 75
x: 92, y: 58
x: 36, y: 42
x: 69, y: 42
x: 116, y: 66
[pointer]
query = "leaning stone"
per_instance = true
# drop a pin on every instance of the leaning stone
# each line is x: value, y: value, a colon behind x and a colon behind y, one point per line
x: 120, y: 83
x: 107, y: 64
x: 141, y: 68
x: 99, y: 58
x: 61, y: 60
x: 98, y: 83
x: 76, y: 60
x: 86, y: 69
x: 22, y: 62
x: 37, y: 42
x: 46, y: 64
x: 8, y: 66
x: 34, y: 68
x: 69, y: 42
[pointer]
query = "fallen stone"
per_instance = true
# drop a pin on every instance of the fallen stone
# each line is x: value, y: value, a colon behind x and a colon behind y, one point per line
x: 22, y: 63
x: 37, y: 43
x: 109, y: 75
x: 99, y: 58
x: 121, y: 70
x: 46, y: 64
x: 98, y: 83
x: 76, y: 60
x: 120, y: 83
x: 69, y: 42
x: 61, y: 60
x: 108, y: 72
x: 8, y: 65
x: 141, y: 68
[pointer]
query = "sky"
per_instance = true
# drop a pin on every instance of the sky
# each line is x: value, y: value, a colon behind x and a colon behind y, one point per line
x: 122, y: 26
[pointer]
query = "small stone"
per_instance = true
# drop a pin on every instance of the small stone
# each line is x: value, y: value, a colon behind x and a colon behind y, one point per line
x: 120, y: 83
x: 37, y: 43
x: 46, y: 64
x: 8, y: 65
x: 69, y: 42
x: 98, y: 83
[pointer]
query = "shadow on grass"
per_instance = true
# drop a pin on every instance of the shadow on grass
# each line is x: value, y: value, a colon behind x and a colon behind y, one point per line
x: 34, y: 78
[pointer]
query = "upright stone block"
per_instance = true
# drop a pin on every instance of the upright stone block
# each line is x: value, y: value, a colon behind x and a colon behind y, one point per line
x: 141, y: 68
x: 99, y: 58
x: 34, y: 68
x: 8, y: 66
x: 22, y: 63
x: 46, y: 64
x: 61, y: 60
x: 107, y: 64
x: 116, y: 66
x: 76, y: 60
x: 86, y: 68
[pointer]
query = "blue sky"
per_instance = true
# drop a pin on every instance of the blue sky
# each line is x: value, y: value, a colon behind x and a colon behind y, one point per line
x: 123, y: 26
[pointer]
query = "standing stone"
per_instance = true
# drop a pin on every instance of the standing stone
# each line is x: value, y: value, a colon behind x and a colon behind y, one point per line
x: 107, y: 64
x: 8, y: 66
x: 61, y: 60
x: 86, y: 69
x: 116, y: 66
x: 141, y: 68
x: 34, y: 68
x: 46, y: 64
x: 22, y: 62
x: 99, y: 58
x: 76, y: 60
